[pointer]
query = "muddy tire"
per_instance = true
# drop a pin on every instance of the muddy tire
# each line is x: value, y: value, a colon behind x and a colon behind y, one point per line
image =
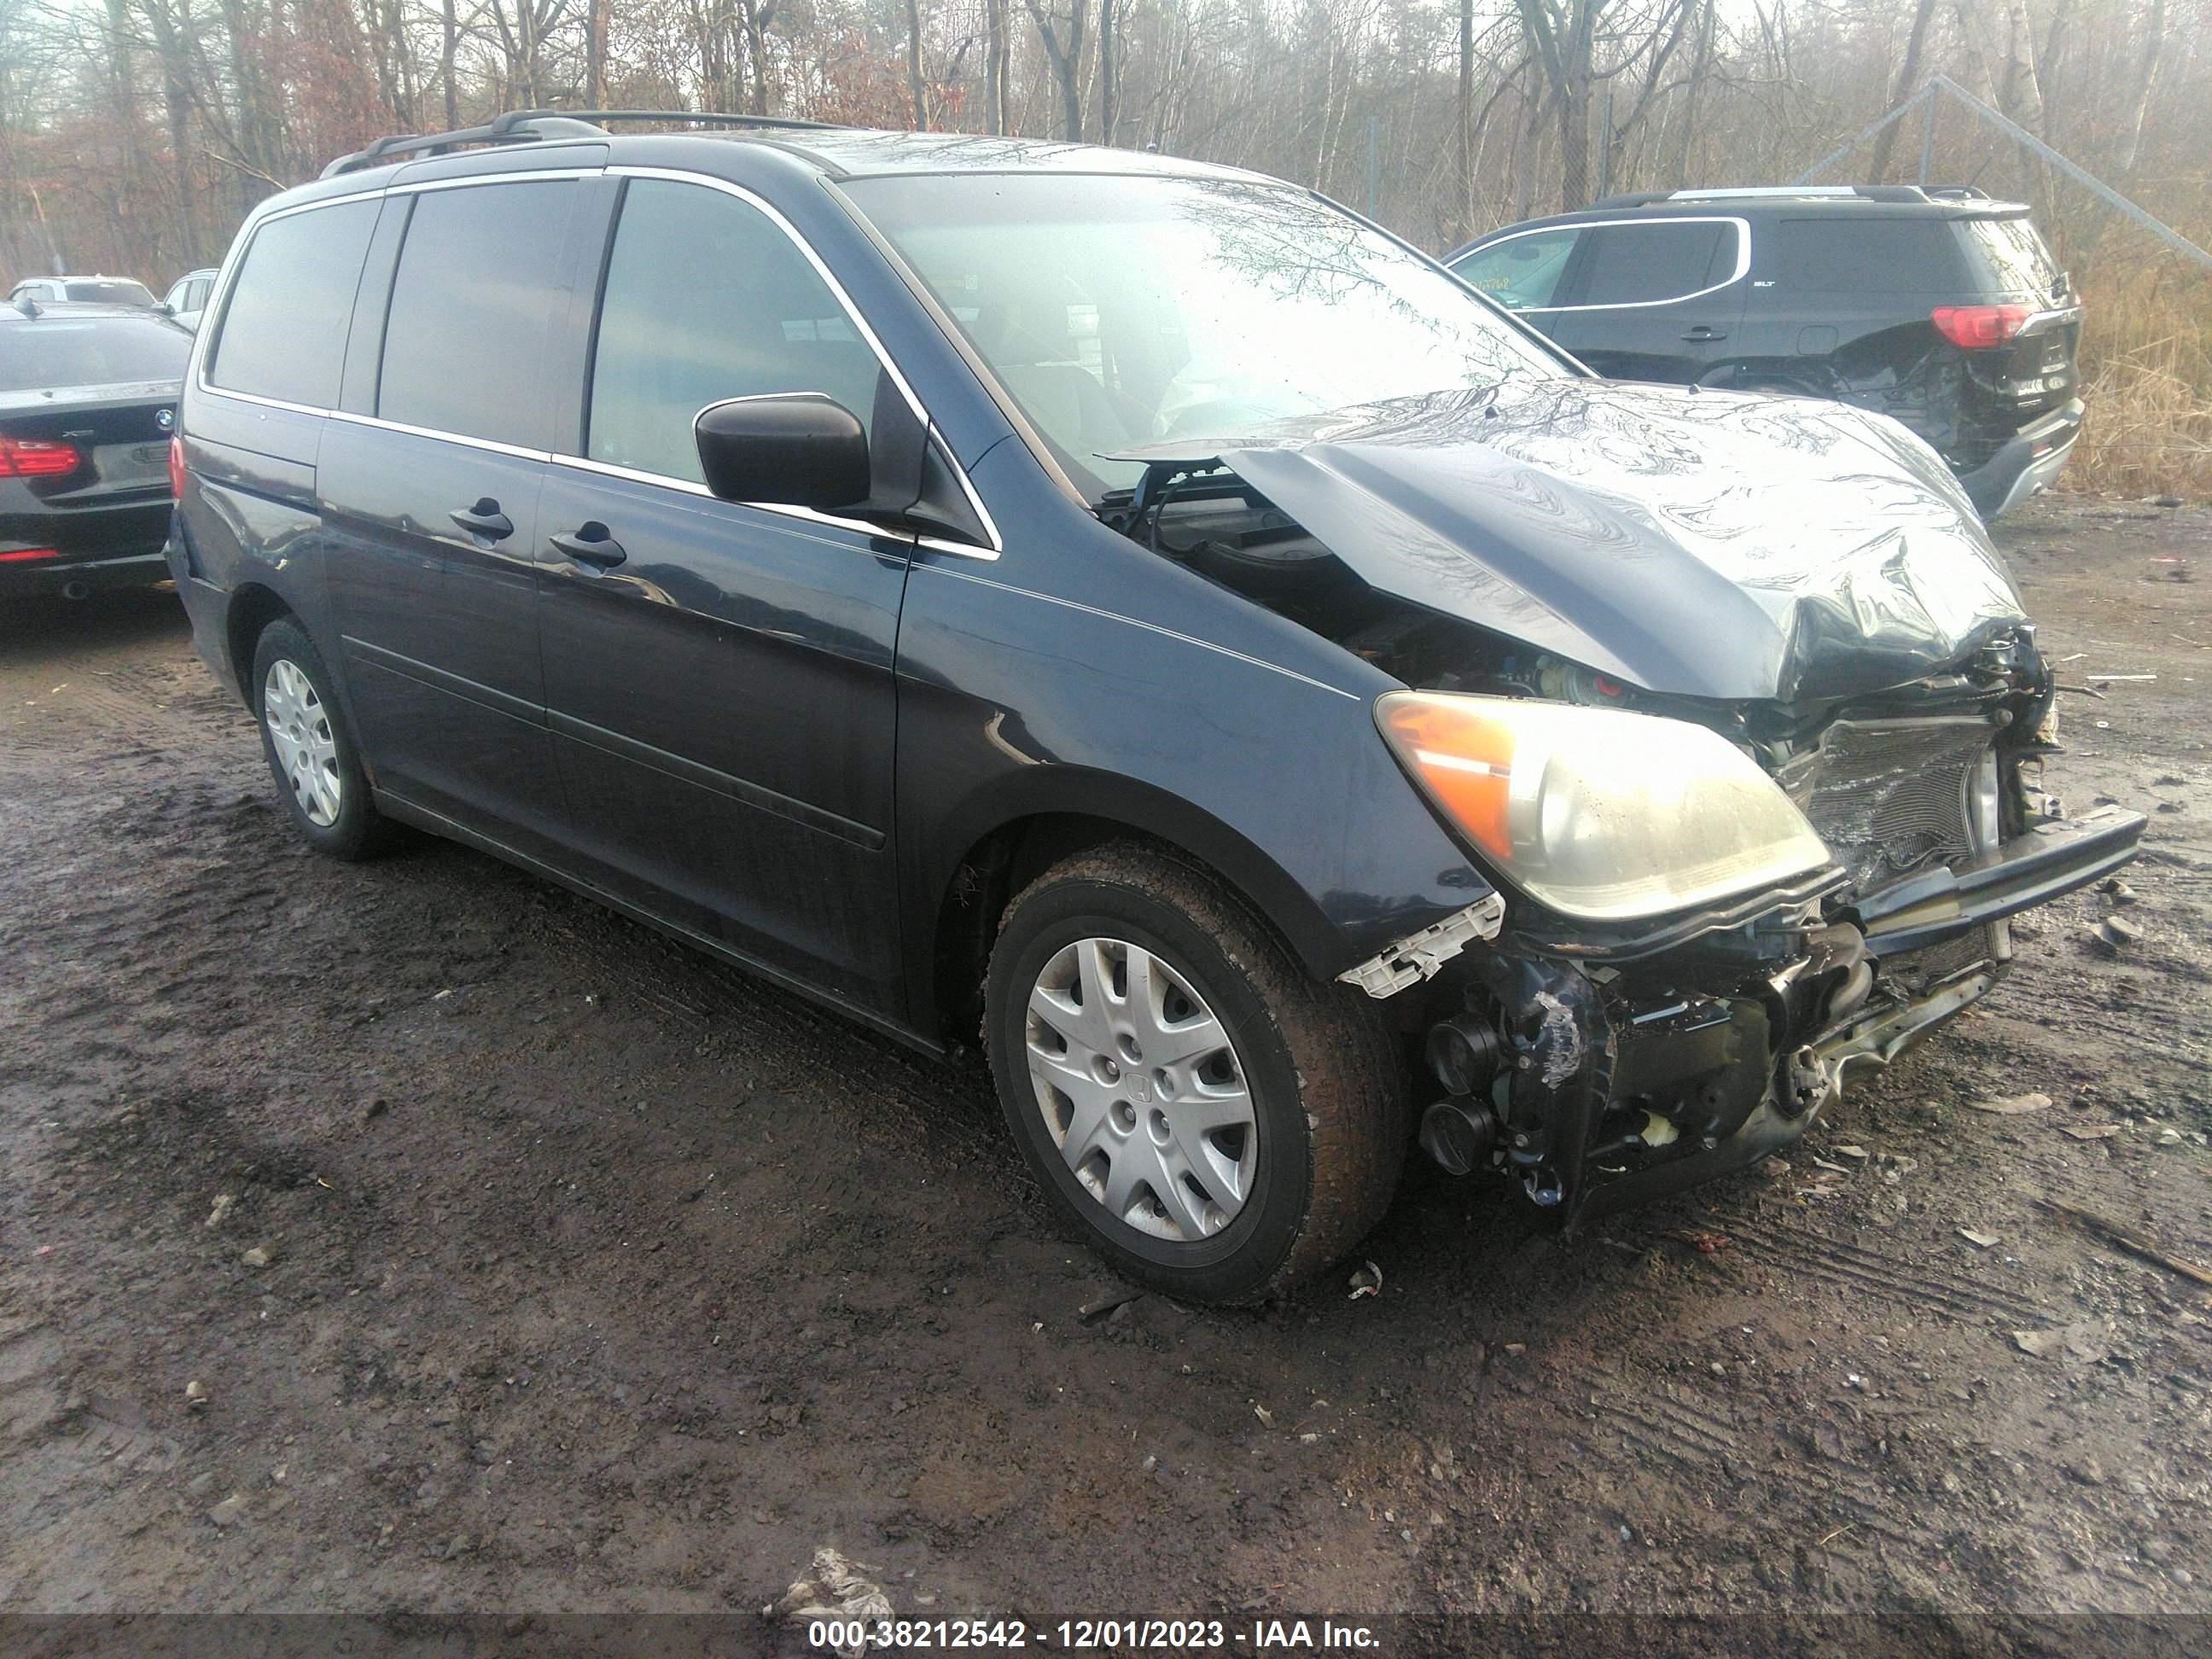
x: 1204, y: 1113
x: 311, y: 752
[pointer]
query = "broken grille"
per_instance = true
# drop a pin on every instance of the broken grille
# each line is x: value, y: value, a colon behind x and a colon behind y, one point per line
x: 1889, y: 797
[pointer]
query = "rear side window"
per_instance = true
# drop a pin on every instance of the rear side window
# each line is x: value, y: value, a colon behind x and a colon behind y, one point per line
x: 471, y: 304
x: 1521, y: 271
x: 283, y: 332
x: 707, y: 298
x: 2013, y: 253
x: 1649, y: 264
x: 1869, y: 256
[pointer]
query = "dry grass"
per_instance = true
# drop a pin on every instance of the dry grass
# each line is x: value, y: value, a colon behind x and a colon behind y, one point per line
x: 2147, y: 377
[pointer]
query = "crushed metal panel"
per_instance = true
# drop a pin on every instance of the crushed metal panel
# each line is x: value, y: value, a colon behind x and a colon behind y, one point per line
x: 1421, y: 956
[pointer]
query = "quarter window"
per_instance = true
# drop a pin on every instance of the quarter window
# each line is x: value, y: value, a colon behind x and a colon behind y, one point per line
x: 1651, y: 264
x: 707, y: 298
x: 1523, y: 271
x: 283, y: 331
x: 1869, y: 256
x: 471, y: 306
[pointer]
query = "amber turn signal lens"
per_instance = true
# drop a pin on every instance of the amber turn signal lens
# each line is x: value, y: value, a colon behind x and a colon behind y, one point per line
x: 1463, y: 754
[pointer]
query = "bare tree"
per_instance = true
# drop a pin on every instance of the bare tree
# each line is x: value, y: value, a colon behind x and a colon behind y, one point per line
x: 1063, y: 46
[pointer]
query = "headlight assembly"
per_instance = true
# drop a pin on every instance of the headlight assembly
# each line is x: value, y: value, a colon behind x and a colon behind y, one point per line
x: 1598, y: 813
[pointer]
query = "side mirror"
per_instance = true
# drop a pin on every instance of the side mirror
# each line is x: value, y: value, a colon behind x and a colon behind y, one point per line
x: 165, y: 309
x: 791, y: 449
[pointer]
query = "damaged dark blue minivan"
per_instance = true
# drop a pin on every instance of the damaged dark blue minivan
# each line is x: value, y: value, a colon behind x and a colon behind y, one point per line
x: 1136, y: 616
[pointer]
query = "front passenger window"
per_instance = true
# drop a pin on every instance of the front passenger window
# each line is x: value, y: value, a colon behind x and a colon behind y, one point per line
x: 707, y: 298
x: 1521, y: 272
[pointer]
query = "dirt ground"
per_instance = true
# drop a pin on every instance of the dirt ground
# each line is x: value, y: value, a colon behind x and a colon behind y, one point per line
x: 602, y: 1279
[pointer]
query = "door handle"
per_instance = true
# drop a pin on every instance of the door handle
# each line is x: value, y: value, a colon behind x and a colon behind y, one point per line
x: 1701, y: 331
x: 590, y: 545
x: 484, y: 520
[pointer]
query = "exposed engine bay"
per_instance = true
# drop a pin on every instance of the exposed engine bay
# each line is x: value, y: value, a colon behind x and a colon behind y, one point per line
x: 1596, y: 1065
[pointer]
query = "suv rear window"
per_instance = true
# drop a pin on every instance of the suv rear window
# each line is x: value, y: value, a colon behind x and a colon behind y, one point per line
x: 1862, y: 255
x: 283, y: 333
x: 2013, y: 255
x: 470, y: 306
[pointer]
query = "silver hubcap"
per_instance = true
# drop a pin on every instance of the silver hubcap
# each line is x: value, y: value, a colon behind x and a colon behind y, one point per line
x: 307, y: 749
x: 1142, y: 1090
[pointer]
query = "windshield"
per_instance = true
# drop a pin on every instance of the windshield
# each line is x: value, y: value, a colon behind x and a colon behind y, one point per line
x: 1120, y: 310
x: 55, y: 351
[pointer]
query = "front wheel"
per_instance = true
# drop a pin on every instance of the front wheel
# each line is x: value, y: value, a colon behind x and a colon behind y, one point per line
x: 310, y: 753
x: 1206, y: 1116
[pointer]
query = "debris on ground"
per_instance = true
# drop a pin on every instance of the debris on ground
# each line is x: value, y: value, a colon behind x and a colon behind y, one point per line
x: 2133, y: 1243
x: 2011, y: 1105
x: 2079, y: 1344
x: 1092, y: 1312
x: 229, y: 1512
x: 1850, y: 1151
x: 1774, y: 1168
x: 261, y: 1255
x: 2091, y: 1131
x: 1266, y: 1418
x: 1979, y: 1240
x: 1366, y: 1280
x: 2112, y: 935
x: 220, y: 1208
x: 195, y: 1395
x: 2119, y: 892
x: 1704, y: 1243
x: 833, y: 1588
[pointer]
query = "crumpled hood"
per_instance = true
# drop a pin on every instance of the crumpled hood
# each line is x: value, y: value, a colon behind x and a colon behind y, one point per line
x: 1706, y: 544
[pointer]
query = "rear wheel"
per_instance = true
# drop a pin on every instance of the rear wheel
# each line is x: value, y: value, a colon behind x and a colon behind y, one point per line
x: 310, y: 753
x: 1205, y: 1115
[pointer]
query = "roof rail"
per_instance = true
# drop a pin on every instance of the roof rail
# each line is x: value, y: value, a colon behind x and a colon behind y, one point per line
x: 523, y: 126
x: 1957, y: 192
x: 1631, y: 199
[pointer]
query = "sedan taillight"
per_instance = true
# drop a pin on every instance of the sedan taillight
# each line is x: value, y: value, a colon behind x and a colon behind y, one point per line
x: 177, y: 468
x: 1976, y: 328
x: 37, y: 458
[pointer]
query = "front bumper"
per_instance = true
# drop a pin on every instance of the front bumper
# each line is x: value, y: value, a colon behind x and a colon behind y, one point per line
x: 2027, y: 463
x: 1619, y: 1082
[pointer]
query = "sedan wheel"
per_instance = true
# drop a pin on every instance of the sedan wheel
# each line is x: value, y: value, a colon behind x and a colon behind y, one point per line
x: 1140, y: 1089
x: 307, y: 747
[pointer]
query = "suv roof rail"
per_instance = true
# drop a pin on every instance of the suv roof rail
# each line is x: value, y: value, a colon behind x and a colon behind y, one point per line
x: 523, y: 126
x: 1797, y: 193
x: 1958, y: 192
x: 1632, y: 198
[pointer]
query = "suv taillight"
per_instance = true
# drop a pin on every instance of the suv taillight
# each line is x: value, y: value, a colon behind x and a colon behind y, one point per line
x: 177, y: 468
x: 1976, y: 328
x: 37, y: 458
